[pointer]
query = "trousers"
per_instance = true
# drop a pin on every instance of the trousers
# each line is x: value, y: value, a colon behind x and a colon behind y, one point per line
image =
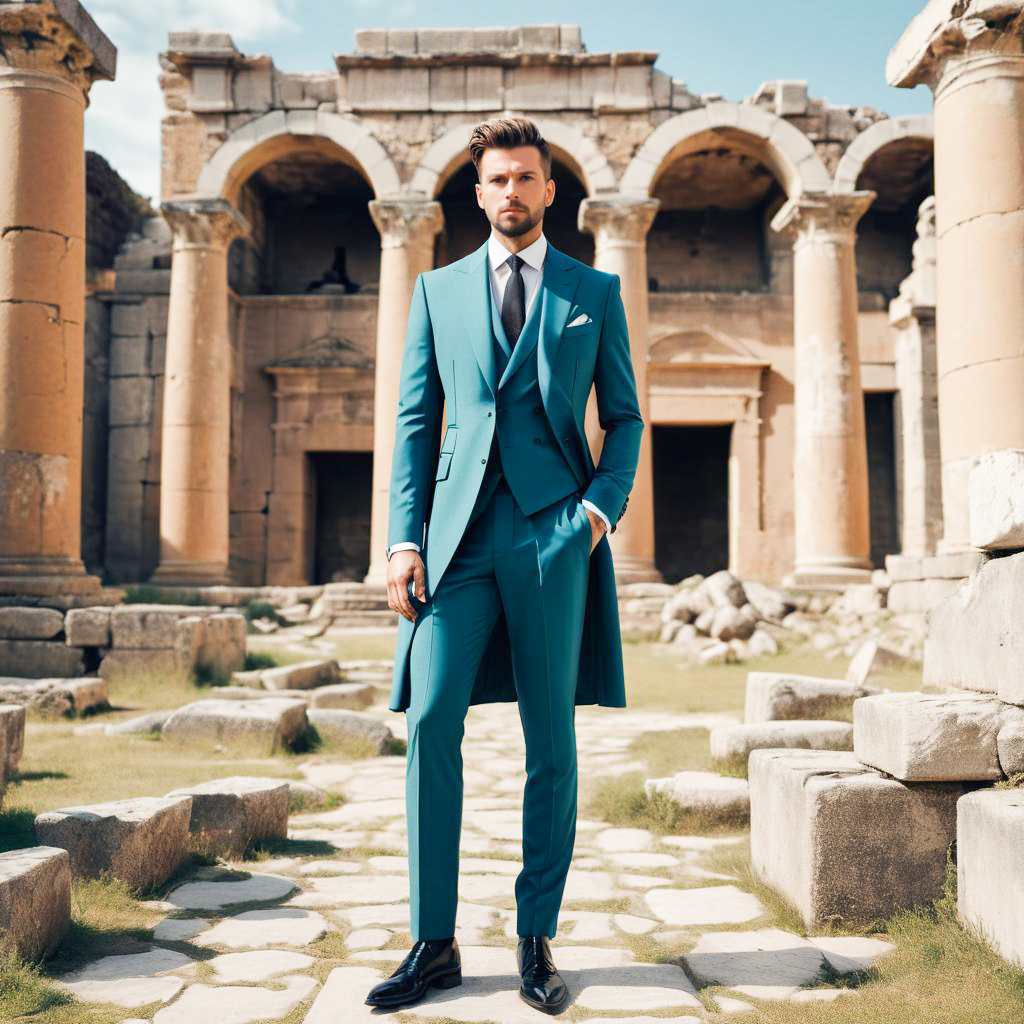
x: 534, y: 568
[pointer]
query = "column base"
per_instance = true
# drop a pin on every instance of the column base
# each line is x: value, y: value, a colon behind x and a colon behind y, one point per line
x: 47, y: 579
x: 635, y: 569
x: 826, y: 577
x: 377, y: 574
x: 186, y: 573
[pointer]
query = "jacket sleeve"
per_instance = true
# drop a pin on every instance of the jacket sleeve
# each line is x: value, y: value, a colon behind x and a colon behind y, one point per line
x: 417, y: 427
x: 618, y: 411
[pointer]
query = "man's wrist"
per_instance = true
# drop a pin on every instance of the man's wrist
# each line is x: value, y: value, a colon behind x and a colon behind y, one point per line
x: 600, y: 515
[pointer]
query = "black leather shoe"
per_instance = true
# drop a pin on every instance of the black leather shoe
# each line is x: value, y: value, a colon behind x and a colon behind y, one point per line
x: 430, y: 963
x: 542, y: 987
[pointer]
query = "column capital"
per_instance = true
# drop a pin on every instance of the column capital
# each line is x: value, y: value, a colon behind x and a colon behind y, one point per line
x: 404, y: 222
x: 952, y: 43
x: 205, y: 223
x: 57, y: 38
x: 618, y: 217
x: 822, y: 217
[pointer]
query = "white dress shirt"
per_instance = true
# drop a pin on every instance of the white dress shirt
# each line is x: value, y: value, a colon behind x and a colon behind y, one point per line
x: 499, y: 273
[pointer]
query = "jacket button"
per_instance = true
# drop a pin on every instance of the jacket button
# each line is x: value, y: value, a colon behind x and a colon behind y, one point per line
x: 490, y: 414
x: 483, y: 462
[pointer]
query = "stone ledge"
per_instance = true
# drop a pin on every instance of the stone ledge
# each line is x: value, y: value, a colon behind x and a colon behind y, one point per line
x: 35, y: 900
x: 778, y: 696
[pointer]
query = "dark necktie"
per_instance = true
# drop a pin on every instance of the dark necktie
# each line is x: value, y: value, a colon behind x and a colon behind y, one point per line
x: 513, y: 302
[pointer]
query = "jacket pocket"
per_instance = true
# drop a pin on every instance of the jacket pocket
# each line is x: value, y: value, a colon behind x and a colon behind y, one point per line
x: 444, y: 459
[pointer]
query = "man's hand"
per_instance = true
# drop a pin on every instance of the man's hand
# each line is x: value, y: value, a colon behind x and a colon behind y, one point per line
x: 597, y: 528
x: 403, y: 566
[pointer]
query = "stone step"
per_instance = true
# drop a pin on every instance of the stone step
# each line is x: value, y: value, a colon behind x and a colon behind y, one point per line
x: 229, y: 814
x: 843, y: 843
x: 35, y: 900
x: 303, y: 675
x: 266, y: 726
x: 142, y: 841
x: 55, y: 696
x: 731, y: 745
x: 990, y: 868
x: 938, y: 737
x: 775, y: 696
x: 342, y: 598
x: 716, y: 797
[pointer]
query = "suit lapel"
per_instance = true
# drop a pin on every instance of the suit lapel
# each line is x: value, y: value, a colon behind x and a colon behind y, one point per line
x: 474, y: 297
x: 558, y: 288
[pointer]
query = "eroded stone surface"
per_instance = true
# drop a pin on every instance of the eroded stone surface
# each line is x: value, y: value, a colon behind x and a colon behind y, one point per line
x: 35, y: 899
x: 775, y: 696
x: 254, y: 929
x: 203, y: 1004
x: 247, y: 726
x: 719, y: 904
x: 215, y: 895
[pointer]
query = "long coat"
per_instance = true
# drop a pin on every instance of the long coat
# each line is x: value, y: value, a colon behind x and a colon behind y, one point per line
x: 449, y: 363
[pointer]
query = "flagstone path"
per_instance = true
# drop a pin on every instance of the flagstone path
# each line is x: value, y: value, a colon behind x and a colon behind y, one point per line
x: 632, y: 898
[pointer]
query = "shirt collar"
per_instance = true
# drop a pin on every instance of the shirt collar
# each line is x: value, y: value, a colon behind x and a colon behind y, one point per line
x: 533, y: 255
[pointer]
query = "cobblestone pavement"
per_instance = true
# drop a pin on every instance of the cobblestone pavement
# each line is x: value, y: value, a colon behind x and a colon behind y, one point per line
x: 632, y: 898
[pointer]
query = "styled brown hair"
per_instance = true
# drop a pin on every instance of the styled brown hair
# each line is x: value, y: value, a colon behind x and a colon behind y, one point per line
x: 507, y: 133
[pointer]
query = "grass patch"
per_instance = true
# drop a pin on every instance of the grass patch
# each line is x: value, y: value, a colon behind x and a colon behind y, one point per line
x: 25, y: 993
x: 146, y: 593
x: 17, y: 829
x: 256, y: 660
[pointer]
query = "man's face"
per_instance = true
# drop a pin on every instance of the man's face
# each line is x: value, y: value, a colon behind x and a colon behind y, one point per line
x: 512, y: 190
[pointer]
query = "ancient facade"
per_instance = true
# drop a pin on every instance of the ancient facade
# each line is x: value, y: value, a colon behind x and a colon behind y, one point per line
x: 759, y: 243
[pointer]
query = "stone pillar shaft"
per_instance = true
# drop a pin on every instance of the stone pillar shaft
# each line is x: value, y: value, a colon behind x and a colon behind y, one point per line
x: 46, y: 70
x: 972, y: 57
x: 195, y: 439
x: 407, y: 229
x: 830, y: 472
x: 619, y: 226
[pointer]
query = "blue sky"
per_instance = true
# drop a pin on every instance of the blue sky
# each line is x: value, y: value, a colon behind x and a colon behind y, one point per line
x: 726, y: 48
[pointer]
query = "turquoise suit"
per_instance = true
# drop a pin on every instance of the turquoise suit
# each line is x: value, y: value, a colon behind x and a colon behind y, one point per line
x: 516, y: 607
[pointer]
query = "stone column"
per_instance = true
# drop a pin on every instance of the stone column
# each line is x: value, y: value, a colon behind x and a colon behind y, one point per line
x: 912, y: 316
x: 830, y: 466
x: 49, y: 57
x: 971, y: 55
x: 407, y: 230
x: 196, y: 431
x: 619, y: 225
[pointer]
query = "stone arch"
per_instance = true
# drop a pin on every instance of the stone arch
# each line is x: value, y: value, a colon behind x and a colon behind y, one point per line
x: 873, y: 139
x: 787, y: 152
x: 250, y: 147
x: 569, y: 146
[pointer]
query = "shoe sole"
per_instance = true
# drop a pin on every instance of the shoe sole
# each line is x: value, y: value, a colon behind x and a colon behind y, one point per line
x: 453, y: 979
x: 543, y: 1007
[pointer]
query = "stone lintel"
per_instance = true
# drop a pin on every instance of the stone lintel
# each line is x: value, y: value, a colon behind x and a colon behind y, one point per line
x: 191, y: 47
x: 623, y: 218
x: 85, y: 52
x: 345, y: 62
x: 943, y: 29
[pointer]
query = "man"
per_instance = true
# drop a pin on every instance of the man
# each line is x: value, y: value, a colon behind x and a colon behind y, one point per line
x: 516, y: 597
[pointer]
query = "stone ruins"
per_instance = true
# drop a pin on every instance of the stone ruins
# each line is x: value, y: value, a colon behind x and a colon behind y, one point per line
x: 197, y: 403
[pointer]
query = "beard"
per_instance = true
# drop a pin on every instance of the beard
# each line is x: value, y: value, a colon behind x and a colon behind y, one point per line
x: 521, y: 227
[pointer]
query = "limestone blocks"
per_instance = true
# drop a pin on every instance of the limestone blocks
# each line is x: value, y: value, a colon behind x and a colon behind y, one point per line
x: 975, y: 640
x: 12, y: 741
x: 990, y: 868
x: 938, y: 737
x: 706, y: 794
x: 55, y: 696
x: 35, y: 900
x: 305, y: 675
x: 263, y: 726
x: 351, y: 730
x: 229, y: 814
x: 996, y: 500
x: 843, y: 843
x: 142, y: 841
x: 731, y: 745
x: 774, y: 696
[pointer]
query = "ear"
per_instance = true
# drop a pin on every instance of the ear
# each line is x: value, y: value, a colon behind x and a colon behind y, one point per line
x: 549, y: 191
x: 479, y: 195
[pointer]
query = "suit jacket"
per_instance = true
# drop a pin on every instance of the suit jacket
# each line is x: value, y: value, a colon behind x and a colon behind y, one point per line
x: 449, y: 362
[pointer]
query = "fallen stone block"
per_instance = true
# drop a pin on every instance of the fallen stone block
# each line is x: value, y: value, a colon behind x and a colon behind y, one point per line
x: 162, y: 663
x: 707, y: 794
x: 142, y: 725
x: 30, y: 623
x: 268, y: 725
x: 366, y: 670
x: 137, y: 626
x: 731, y: 744
x: 990, y: 868
x: 224, y: 643
x: 354, y: 696
x: 35, y: 900
x: 252, y: 693
x: 974, y: 639
x: 12, y: 739
x: 230, y: 814
x: 355, y: 732
x: 870, y: 657
x: 778, y: 696
x: 305, y: 675
x: 87, y: 627
x: 936, y: 737
x: 40, y: 659
x: 996, y: 500
x: 142, y: 841
x: 843, y: 843
x: 55, y: 696
x: 1010, y: 746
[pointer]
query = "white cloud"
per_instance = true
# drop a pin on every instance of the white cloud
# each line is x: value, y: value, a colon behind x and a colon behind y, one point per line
x: 244, y: 19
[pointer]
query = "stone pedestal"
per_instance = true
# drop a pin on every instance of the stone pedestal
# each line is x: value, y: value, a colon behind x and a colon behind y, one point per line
x: 195, y: 445
x: 619, y: 225
x: 51, y: 55
x: 830, y: 469
x: 972, y: 57
x: 407, y: 231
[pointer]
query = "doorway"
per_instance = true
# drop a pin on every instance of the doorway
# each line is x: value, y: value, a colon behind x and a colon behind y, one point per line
x: 880, y: 424
x: 342, y: 488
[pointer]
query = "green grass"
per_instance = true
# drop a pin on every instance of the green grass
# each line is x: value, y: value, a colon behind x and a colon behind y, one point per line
x: 144, y: 593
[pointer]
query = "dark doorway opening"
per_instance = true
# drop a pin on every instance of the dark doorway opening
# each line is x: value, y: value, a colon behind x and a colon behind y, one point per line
x: 880, y: 423
x: 691, y: 499
x: 342, y: 485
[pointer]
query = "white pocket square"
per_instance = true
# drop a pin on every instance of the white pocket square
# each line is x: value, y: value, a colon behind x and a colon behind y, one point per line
x: 579, y: 321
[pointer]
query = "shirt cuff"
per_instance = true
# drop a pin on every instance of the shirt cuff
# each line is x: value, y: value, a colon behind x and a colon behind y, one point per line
x: 403, y: 545
x: 593, y: 508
